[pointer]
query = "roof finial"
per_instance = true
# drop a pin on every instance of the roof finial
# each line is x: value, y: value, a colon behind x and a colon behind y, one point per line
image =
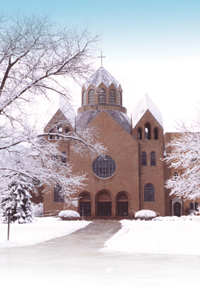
x: 101, y: 58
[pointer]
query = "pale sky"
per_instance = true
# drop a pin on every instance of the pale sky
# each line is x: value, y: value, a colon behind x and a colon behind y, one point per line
x: 150, y: 46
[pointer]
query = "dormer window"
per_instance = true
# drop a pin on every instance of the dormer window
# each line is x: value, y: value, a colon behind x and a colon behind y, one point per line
x: 91, y: 97
x: 102, y: 96
x: 84, y: 98
x: 112, y: 97
x: 120, y: 97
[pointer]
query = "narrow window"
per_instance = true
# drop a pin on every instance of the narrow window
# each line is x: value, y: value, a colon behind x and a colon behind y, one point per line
x: 66, y: 130
x: 149, y: 193
x: 112, y: 97
x: 147, y: 131
x: 91, y: 97
x: 191, y: 205
x: 59, y: 130
x: 175, y: 175
x: 139, y: 133
x: 102, y: 96
x: 120, y: 97
x: 155, y: 133
x: 83, y: 98
x: 144, y: 158
x: 63, y: 157
x: 196, y: 206
x: 153, y: 158
x: 50, y: 136
x: 58, y: 195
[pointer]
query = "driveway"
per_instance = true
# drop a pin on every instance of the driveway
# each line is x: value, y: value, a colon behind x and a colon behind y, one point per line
x: 75, y: 259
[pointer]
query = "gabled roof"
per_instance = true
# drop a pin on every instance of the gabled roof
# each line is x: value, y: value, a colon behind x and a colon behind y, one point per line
x: 101, y: 76
x: 143, y: 105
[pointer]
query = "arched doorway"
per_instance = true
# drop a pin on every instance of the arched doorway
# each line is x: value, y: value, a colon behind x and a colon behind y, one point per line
x: 85, y: 205
x: 177, y: 209
x: 104, y: 204
x: 122, y: 204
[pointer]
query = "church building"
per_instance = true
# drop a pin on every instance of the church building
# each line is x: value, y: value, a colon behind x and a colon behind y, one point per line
x: 131, y: 176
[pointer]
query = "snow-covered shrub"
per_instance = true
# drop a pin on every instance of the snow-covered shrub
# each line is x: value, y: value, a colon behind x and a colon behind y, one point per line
x: 69, y: 215
x: 146, y: 214
x: 37, y: 209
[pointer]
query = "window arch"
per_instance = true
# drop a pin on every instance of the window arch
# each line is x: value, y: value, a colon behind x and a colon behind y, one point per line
x: 112, y: 97
x: 139, y: 133
x: 91, y: 96
x: 120, y: 97
x: 84, y: 98
x: 102, y: 96
x: 156, y: 133
x: 144, y: 158
x: 149, y: 192
x: 58, y: 195
x: 63, y: 157
x: 147, y: 131
x: 153, y: 158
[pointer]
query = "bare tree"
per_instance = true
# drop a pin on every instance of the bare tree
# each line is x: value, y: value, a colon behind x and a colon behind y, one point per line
x: 36, y: 58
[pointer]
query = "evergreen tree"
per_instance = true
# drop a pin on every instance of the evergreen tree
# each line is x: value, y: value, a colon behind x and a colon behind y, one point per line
x: 16, y: 201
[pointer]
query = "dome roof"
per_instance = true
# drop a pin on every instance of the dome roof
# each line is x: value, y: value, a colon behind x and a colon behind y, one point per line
x: 101, y: 76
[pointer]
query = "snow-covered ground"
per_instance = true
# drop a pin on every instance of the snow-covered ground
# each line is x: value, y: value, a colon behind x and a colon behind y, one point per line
x: 41, y: 230
x: 180, y: 236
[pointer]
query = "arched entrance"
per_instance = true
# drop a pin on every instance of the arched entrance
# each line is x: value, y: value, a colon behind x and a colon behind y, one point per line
x: 177, y: 207
x: 122, y: 204
x: 104, y: 204
x: 85, y: 205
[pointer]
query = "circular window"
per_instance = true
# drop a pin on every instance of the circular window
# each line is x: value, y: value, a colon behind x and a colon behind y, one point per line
x: 104, y: 166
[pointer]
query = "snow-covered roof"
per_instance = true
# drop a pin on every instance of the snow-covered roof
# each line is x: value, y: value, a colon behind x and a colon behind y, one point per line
x: 84, y: 118
x: 101, y: 76
x: 146, y: 104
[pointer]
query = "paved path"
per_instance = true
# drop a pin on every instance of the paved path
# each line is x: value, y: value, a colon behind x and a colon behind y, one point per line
x: 75, y: 259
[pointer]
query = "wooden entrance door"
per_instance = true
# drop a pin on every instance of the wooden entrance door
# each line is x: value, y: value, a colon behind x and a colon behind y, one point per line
x: 122, y: 208
x: 177, y: 209
x: 103, y: 208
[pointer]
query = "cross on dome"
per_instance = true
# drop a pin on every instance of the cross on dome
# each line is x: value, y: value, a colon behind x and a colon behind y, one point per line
x: 101, y: 58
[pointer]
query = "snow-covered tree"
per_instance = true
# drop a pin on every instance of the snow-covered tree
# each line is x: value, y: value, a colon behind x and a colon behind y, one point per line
x: 185, y: 157
x: 37, y: 61
x: 16, y: 201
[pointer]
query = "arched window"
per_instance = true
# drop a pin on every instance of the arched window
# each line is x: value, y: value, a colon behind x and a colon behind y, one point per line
x: 112, y: 97
x: 175, y: 175
x: 63, y: 157
x: 66, y: 130
x: 144, y: 158
x: 196, y: 206
x: 120, y: 97
x: 147, y: 131
x: 58, y: 195
x: 191, y: 205
x: 84, y: 98
x: 139, y: 133
x: 149, y: 193
x: 155, y: 133
x: 102, y: 96
x: 91, y: 97
x: 153, y: 158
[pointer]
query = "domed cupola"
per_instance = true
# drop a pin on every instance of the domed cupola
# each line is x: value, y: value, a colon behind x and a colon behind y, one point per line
x: 101, y: 91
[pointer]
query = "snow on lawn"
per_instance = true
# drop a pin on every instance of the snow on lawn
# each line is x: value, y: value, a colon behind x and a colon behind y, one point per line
x: 182, y: 237
x: 41, y: 230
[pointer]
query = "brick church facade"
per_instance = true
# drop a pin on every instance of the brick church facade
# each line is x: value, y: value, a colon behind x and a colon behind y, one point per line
x: 131, y: 176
